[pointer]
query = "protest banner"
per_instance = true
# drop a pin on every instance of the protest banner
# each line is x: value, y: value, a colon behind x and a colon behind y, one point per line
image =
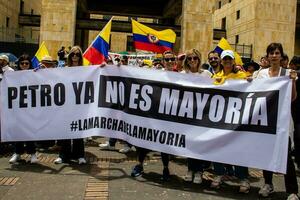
x: 242, y: 123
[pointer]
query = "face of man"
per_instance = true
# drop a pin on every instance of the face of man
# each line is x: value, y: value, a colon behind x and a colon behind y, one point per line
x: 169, y: 61
x: 3, y: 63
x: 48, y: 64
x: 214, y: 59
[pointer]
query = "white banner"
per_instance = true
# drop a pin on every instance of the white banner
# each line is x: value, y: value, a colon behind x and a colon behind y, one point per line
x: 238, y: 123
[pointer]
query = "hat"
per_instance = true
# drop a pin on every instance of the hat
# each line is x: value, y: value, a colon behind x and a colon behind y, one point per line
x: 47, y: 59
x: 227, y: 53
x: 4, y: 57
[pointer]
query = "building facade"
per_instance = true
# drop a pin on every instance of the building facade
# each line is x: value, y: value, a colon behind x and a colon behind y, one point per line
x: 255, y: 23
x: 10, y: 30
x: 260, y: 22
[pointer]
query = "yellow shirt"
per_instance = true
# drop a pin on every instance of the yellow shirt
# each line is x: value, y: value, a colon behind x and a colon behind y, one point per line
x: 237, y: 75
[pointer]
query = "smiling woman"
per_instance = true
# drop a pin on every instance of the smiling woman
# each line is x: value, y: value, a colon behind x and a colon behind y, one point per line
x: 228, y: 70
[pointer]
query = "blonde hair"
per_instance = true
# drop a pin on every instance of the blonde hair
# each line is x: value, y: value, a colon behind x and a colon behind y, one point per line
x: 69, y: 58
x: 186, y: 66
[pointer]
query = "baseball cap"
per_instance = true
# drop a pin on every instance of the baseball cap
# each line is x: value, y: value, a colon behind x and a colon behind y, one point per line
x: 227, y: 53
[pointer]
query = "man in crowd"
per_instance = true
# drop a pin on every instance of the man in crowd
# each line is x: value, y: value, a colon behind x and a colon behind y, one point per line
x: 214, y: 62
x: 62, y: 56
x: 4, y: 61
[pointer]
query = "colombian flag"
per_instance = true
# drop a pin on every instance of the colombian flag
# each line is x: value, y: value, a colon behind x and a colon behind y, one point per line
x: 98, y: 50
x: 148, y: 39
x: 41, y: 52
x: 224, y: 45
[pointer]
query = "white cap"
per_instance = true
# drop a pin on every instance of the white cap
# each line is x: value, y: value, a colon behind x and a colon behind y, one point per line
x: 227, y: 53
x: 4, y: 57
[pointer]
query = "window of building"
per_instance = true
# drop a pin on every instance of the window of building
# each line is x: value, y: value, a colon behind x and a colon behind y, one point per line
x: 238, y: 13
x: 32, y: 12
x: 219, y: 4
x: 130, y: 45
x: 22, y: 7
x: 223, y: 23
x: 237, y: 38
x: 7, y: 21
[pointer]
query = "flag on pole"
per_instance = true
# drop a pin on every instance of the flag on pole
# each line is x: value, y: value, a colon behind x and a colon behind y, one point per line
x: 41, y: 52
x: 148, y: 39
x: 97, y: 52
x: 224, y: 45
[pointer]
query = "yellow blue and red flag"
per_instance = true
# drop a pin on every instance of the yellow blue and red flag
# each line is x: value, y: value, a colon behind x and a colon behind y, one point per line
x: 41, y: 52
x: 97, y: 52
x: 148, y: 39
x: 224, y: 45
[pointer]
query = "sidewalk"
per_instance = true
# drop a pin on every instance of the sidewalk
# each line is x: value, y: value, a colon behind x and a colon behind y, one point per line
x: 107, y: 176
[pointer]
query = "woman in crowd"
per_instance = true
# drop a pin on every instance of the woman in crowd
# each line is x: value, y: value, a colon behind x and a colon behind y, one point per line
x: 274, y: 55
x: 74, y: 59
x: 24, y: 63
x: 169, y: 64
x: 192, y: 65
x: 229, y: 71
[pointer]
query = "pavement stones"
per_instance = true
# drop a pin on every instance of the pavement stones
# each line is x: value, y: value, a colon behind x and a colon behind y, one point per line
x: 107, y: 176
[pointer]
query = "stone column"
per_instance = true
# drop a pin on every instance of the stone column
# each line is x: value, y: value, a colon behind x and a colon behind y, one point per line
x: 58, y: 22
x: 197, y: 26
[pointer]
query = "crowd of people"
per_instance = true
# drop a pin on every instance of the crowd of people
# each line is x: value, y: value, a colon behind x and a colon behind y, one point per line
x: 218, y: 67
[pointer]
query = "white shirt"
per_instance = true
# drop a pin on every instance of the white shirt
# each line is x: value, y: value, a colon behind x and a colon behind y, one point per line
x: 264, y: 73
x: 5, y: 69
x: 204, y: 73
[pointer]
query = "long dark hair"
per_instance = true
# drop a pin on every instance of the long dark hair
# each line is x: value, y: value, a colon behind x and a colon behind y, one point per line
x: 22, y: 58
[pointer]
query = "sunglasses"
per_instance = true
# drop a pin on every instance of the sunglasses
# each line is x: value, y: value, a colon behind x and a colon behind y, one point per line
x: 213, y: 58
x: 75, y: 54
x: 169, y: 59
x: 24, y: 63
x: 192, y: 58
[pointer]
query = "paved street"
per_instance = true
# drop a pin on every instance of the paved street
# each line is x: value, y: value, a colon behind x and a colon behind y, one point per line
x: 107, y: 176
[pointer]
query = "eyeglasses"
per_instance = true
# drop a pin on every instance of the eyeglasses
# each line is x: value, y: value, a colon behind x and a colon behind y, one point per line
x: 169, y: 59
x: 75, y: 54
x: 24, y: 63
x: 192, y: 58
x: 213, y: 58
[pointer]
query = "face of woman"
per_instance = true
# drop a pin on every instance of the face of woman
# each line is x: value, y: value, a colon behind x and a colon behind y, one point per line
x: 274, y: 57
x: 25, y: 64
x: 75, y: 56
x: 193, y: 61
x: 227, y: 63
